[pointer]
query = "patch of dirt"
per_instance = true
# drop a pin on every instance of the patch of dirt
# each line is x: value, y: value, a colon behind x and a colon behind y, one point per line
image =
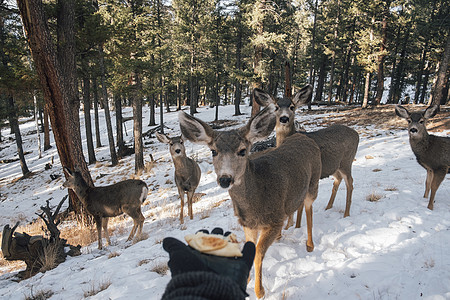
x: 383, y: 117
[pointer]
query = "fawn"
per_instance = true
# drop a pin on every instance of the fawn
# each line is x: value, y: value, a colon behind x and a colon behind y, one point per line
x: 187, y: 171
x: 267, y: 187
x: 432, y: 152
x: 104, y: 202
x: 338, y: 143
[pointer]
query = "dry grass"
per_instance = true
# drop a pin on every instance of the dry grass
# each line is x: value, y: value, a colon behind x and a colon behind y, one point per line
x: 47, y: 260
x: 140, y: 237
x: 160, y: 268
x: 79, y: 235
x: 149, y: 166
x: 391, y: 189
x: 377, y: 170
x: 94, y: 290
x: 113, y: 254
x: 143, y: 262
x: 374, y: 197
x: 39, y: 295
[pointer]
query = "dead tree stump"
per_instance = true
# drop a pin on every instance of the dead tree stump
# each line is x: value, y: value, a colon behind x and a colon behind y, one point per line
x: 39, y: 252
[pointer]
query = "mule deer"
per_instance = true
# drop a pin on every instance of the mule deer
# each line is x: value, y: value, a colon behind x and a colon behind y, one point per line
x: 432, y: 152
x: 104, y: 202
x: 338, y: 143
x: 267, y: 187
x: 187, y: 171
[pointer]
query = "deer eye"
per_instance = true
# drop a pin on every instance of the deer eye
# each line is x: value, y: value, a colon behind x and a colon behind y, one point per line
x: 292, y: 107
x: 409, y: 121
x: 214, y: 152
x: 242, y: 152
x: 277, y: 107
x: 421, y: 121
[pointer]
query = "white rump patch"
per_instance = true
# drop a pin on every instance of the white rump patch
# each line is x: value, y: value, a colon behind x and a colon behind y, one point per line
x: 143, y: 194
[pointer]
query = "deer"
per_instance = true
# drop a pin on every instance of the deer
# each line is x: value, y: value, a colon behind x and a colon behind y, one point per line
x: 338, y: 143
x: 103, y: 202
x: 187, y: 171
x: 432, y: 152
x: 265, y: 188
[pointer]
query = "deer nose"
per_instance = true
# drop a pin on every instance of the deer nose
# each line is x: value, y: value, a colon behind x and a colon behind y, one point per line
x: 413, y: 130
x: 284, y: 119
x: 177, y: 151
x: 225, y: 181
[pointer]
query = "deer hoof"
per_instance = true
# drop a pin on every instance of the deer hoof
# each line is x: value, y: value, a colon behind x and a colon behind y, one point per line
x: 259, y: 292
x: 309, y: 248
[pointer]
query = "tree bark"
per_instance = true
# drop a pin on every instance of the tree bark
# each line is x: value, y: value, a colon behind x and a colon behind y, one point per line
x: 59, y: 97
x: 96, y: 120
x: 119, y: 124
x: 18, y: 136
x: 112, y: 149
x: 87, y: 119
x: 366, y: 91
x: 381, y: 57
x: 46, y: 129
x: 137, y: 129
x: 441, y: 75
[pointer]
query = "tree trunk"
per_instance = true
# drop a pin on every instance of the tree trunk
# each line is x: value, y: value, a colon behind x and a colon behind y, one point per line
x: 112, y: 149
x: 15, y: 126
x: 423, y: 58
x: 38, y: 133
x: 381, y: 57
x: 87, y: 119
x: 441, y: 75
x: 366, y: 90
x: 287, y: 80
x: 96, y: 120
x: 137, y: 128
x: 119, y: 124
x: 321, y: 80
x: 46, y: 129
x: 152, y: 121
x: 54, y: 79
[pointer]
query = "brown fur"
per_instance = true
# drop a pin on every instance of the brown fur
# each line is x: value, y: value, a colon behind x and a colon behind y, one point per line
x: 338, y: 143
x: 187, y: 171
x: 104, y: 202
x: 432, y: 152
x: 265, y: 188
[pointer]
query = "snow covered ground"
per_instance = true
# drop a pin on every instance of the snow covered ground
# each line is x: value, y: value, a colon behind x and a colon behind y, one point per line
x: 392, y: 248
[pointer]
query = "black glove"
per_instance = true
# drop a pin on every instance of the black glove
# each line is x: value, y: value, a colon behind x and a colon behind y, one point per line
x: 186, y: 259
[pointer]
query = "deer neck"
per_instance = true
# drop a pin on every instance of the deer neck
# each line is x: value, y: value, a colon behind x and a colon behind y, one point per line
x: 82, y: 192
x: 283, y: 132
x: 180, y: 162
x: 420, y: 144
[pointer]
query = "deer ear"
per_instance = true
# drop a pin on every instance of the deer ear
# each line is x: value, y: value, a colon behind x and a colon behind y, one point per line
x: 68, y: 171
x: 303, y: 96
x: 401, y: 112
x: 431, y: 111
x: 195, y: 130
x: 261, y: 125
x: 262, y: 98
x: 162, y: 138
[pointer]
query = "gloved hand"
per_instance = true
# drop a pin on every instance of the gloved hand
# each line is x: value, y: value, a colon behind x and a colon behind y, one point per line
x: 186, y: 259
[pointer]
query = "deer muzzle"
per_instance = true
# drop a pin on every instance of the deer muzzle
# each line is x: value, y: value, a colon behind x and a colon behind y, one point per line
x: 225, y: 181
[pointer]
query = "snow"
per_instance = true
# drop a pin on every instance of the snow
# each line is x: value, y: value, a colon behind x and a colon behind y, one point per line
x: 393, y: 248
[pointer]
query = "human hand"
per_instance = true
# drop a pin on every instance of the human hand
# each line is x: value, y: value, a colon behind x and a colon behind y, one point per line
x: 186, y: 259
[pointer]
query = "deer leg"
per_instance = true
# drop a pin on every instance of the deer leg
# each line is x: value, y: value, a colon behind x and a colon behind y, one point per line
x: 309, y: 214
x: 428, y: 183
x: 337, y: 181
x: 268, y: 235
x: 181, y: 193
x: 141, y: 220
x: 251, y: 235
x: 190, y: 196
x: 438, y: 176
x: 105, y: 230
x: 349, y: 183
x: 299, y: 216
x: 98, y: 223
x: 290, y: 221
